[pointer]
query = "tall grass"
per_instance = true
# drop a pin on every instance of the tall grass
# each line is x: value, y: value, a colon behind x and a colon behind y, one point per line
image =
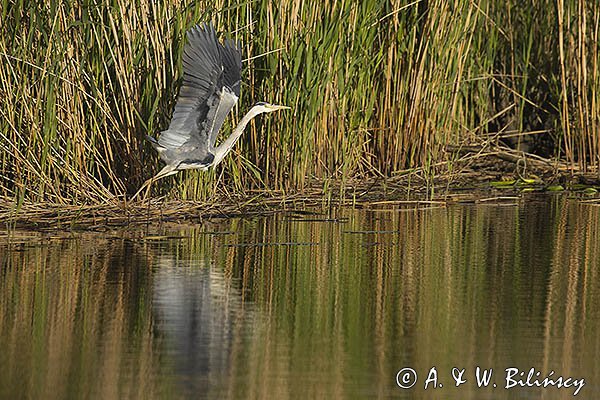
x: 376, y: 87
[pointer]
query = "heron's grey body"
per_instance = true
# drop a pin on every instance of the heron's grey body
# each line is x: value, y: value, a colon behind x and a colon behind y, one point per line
x: 210, y: 89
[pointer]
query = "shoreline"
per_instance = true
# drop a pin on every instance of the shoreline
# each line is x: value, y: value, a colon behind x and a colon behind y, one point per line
x: 479, y: 186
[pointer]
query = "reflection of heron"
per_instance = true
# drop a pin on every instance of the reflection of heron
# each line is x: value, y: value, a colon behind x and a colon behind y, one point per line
x: 211, y: 87
x: 198, y: 316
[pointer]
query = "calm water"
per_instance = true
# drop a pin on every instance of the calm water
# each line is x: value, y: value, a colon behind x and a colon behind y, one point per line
x: 296, y: 307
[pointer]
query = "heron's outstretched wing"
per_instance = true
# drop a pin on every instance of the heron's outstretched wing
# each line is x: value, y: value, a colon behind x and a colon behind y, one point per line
x: 232, y: 66
x: 210, y: 89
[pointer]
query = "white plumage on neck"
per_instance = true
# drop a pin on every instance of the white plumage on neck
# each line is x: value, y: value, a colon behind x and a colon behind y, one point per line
x: 224, y: 148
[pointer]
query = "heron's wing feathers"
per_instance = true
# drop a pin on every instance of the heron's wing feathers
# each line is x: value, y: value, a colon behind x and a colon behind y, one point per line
x: 232, y: 66
x: 206, y: 95
x: 230, y: 84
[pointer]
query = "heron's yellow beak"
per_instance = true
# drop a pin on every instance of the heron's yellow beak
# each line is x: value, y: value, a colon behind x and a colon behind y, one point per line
x: 275, y: 107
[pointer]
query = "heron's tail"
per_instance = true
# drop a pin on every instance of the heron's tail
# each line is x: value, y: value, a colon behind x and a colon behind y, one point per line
x: 154, y: 143
x: 152, y: 140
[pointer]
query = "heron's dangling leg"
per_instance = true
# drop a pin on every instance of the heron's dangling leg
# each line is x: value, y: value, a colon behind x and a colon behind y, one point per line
x: 146, y: 184
x: 166, y: 171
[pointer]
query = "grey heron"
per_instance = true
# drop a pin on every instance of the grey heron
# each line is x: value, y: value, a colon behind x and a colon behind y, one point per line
x: 210, y: 90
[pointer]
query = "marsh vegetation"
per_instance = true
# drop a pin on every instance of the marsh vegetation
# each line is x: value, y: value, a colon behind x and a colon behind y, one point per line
x: 378, y: 88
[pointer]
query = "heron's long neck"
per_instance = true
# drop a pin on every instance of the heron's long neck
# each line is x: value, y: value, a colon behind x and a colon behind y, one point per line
x: 221, y: 151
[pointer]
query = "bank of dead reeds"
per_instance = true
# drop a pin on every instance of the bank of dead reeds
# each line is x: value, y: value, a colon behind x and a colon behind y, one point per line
x: 376, y: 87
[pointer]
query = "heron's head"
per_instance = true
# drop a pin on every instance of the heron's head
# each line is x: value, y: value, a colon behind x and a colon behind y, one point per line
x: 267, y: 107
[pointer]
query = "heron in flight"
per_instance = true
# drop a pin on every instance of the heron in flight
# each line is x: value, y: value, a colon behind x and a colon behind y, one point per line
x: 210, y: 89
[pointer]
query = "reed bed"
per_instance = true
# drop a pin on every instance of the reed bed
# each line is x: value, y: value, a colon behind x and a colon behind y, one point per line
x: 313, y: 203
x: 164, y: 211
x: 376, y: 87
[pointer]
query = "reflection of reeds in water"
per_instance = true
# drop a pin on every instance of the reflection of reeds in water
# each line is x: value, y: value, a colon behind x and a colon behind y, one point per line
x: 75, y: 322
x: 573, y: 298
x: 442, y: 287
x: 284, y: 308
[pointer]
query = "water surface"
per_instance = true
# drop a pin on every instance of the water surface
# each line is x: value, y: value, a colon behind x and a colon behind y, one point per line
x: 307, y: 306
